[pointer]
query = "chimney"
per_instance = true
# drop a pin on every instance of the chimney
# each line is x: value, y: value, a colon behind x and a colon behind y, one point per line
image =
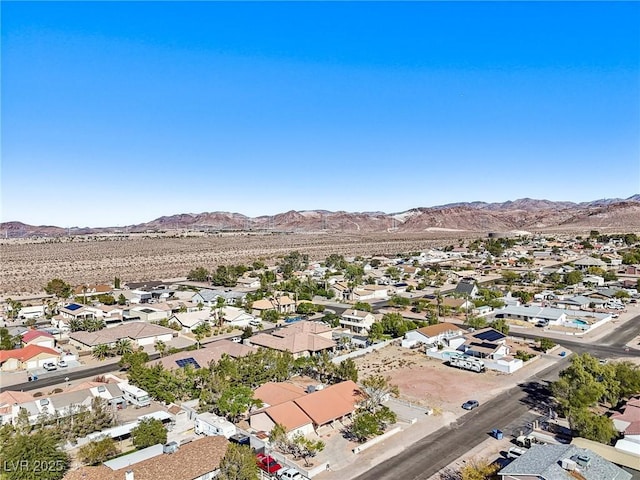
x: 128, y: 475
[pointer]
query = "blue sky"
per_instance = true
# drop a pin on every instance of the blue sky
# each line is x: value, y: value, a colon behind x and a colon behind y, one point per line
x: 117, y: 113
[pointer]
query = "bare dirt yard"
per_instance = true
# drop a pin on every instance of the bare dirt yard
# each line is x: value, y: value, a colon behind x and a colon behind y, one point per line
x: 27, y: 265
x: 427, y: 381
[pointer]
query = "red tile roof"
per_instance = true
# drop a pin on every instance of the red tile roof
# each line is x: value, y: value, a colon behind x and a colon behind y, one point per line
x: 26, y: 353
x: 288, y: 414
x: 331, y: 403
x: 273, y: 393
x: 32, y: 334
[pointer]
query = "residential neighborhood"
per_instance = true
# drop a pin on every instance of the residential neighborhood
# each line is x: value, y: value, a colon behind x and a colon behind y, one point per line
x: 315, y: 365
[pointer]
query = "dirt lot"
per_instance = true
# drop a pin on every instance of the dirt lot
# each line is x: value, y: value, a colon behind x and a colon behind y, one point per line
x: 429, y: 382
x: 28, y: 265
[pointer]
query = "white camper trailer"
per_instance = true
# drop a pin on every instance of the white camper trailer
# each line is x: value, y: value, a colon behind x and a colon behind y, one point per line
x: 210, y: 424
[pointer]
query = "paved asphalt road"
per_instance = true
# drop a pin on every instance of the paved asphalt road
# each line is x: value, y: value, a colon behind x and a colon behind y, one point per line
x: 426, y: 457
x: 50, y: 379
x: 611, y: 345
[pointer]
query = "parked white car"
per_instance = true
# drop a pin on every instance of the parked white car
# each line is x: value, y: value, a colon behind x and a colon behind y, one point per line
x: 49, y: 366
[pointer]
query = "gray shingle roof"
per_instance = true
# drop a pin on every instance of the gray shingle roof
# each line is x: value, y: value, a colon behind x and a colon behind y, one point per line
x: 544, y: 461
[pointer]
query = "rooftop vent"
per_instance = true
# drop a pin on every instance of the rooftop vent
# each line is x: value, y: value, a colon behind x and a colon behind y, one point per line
x: 170, y: 447
x: 582, y: 460
x: 101, y: 388
x: 568, y: 464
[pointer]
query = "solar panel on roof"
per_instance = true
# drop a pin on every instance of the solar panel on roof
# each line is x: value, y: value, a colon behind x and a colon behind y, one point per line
x: 73, y: 307
x: 490, y: 335
x: 183, y: 362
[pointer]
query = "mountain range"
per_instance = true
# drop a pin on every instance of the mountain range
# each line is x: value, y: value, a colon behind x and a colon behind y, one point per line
x: 524, y: 214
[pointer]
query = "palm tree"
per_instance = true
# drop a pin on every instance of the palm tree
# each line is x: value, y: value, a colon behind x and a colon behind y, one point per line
x: 161, y: 347
x: 123, y: 346
x: 101, y: 351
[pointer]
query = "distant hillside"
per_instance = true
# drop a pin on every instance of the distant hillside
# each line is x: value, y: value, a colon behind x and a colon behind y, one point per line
x: 522, y: 214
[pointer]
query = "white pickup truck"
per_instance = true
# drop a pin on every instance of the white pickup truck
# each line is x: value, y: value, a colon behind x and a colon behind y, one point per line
x: 289, y: 474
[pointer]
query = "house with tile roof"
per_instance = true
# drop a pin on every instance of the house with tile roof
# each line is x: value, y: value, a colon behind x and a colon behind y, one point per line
x: 140, y: 334
x: 627, y: 422
x: 27, y: 358
x: 281, y: 304
x: 38, y: 337
x: 202, y: 357
x: 275, y: 393
x: 302, y: 412
x: 197, y: 460
x: 302, y: 339
x: 189, y: 321
x: 561, y: 462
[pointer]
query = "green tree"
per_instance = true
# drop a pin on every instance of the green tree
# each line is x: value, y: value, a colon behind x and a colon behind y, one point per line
x: 376, y: 332
x: 347, y: 370
x: 235, y: 401
x: 363, y: 307
x: 14, y: 308
x: 306, y: 447
x: 107, y: 299
x: 238, y: 463
x: 116, y: 283
x: 133, y: 359
x: 279, y: 439
x: 574, y: 277
x: 523, y: 295
x: 332, y: 319
x: 7, y: 342
x: 160, y: 347
x: 398, y: 301
x: 270, y: 316
x: 367, y: 424
x: 149, y: 431
x: 479, y: 469
x: 58, y: 287
x: 501, y: 325
x: 545, y: 344
x: 198, y: 274
x: 509, y: 276
x: 476, y: 322
x: 23, y: 457
x: 101, y: 352
x: 98, y: 451
x: 123, y: 346
x: 306, y: 308
x: 122, y: 300
x: 581, y: 384
x: 394, y: 325
x: 377, y: 388
x: 591, y: 426
x: 247, y: 332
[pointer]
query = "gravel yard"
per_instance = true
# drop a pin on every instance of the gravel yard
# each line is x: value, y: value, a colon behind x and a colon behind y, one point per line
x: 430, y: 382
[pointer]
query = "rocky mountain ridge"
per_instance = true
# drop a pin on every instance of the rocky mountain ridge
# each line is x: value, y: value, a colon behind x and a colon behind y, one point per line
x: 522, y: 214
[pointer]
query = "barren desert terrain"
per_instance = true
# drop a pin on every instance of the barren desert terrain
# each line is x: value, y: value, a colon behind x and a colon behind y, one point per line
x: 27, y: 265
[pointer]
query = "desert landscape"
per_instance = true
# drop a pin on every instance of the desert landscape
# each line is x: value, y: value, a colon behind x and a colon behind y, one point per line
x: 27, y: 265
